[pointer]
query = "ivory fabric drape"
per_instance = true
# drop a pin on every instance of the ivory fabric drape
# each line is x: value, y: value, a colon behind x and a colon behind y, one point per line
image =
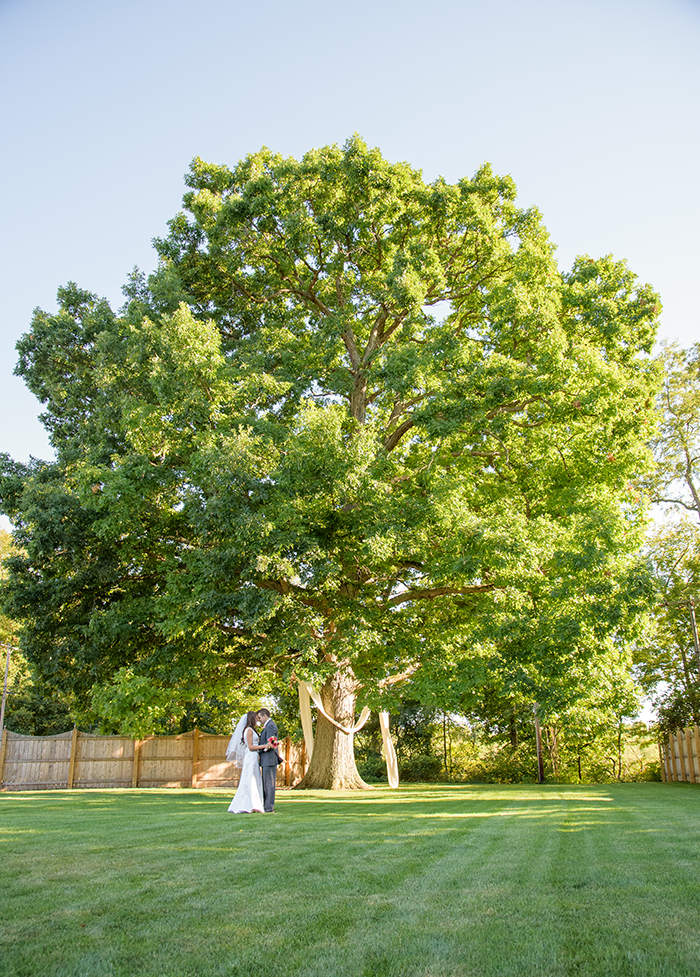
x: 306, y: 693
x: 305, y: 713
x: 392, y: 765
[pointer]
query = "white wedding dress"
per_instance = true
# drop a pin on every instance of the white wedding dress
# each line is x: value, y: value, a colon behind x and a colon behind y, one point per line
x: 249, y: 796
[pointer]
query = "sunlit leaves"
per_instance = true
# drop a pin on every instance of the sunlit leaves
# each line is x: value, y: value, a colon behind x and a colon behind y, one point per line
x: 354, y: 418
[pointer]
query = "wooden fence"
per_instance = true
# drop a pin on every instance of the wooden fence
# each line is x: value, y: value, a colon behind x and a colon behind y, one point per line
x: 680, y: 756
x: 73, y: 760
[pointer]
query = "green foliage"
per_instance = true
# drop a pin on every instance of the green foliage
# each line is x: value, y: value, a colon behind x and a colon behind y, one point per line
x: 133, y: 704
x: 7, y: 626
x: 668, y: 663
x: 353, y: 421
x: 594, y: 742
x: 35, y: 710
x: 502, y: 763
x: 32, y: 707
x: 676, y: 442
x: 413, y: 729
x: 668, y: 656
x: 136, y: 706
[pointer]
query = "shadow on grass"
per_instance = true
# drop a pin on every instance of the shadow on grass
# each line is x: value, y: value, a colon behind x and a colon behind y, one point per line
x: 424, y: 881
x: 578, y: 805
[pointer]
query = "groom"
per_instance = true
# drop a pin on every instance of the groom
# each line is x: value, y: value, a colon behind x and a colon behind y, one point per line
x: 268, y: 758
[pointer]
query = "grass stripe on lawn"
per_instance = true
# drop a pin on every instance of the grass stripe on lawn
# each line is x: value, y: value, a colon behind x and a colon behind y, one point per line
x: 476, y: 881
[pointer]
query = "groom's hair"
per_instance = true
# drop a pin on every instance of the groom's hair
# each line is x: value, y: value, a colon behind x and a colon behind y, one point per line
x: 264, y: 712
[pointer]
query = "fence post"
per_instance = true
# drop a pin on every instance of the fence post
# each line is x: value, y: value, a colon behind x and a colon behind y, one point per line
x: 691, y: 765
x: 666, y: 768
x: 195, y: 757
x: 135, y: 774
x: 287, y: 762
x: 538, y: 742
x: 681, y: 755
x: 677, y: 762
x: 662, y: 765
x: 73, y: 751
x: 674, y: 759
x: 3, y: 748
x: 674, y: 765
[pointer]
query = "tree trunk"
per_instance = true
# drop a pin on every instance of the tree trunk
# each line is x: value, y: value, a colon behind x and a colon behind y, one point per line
x: 513, y: 728
x: 444, y: 741
x: 553, y: 748
x: 332, y: 764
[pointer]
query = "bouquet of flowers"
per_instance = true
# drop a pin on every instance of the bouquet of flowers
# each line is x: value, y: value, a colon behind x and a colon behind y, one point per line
x: 274, y: 743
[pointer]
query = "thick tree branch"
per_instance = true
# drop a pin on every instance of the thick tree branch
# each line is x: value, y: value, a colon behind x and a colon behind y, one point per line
x: 431, y: 592
x: 348, y: 337
x: 690, y: 508
x: 394, y: 438
x: 689, y: 480
x: 401, y: 677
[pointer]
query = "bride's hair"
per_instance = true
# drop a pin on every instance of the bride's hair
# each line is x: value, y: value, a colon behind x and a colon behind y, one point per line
x: 250, y: 721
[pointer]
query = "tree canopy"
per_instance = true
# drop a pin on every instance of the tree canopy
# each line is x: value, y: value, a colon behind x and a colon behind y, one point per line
x: 356, y: 426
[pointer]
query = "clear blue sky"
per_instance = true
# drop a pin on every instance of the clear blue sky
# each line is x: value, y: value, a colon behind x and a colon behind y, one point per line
x: 591, y: 105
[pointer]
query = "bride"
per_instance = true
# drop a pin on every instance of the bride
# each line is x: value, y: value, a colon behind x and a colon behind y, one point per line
x: 243, y: 751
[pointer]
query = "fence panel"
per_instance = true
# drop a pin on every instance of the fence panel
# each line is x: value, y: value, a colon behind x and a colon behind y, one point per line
x: 681, y: 756
x: 166, y: 761
x: 103, y: 761
x: 36, y: 762
x: 298, y: 763
x: 84, y: 760
x: 214, y: 770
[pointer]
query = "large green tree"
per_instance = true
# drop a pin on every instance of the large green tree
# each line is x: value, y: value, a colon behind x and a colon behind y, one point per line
x: 355, y: 427
x: 669, y: 658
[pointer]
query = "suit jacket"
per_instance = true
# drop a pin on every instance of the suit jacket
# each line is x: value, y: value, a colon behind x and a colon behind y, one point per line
x: 268, y: 758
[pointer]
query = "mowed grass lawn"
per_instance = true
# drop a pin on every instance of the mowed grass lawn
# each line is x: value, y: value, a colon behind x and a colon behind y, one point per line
x: 440, y: 880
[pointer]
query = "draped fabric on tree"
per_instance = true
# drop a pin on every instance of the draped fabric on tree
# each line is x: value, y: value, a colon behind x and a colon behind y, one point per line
x: 392, y: 766
x: 306, y: 693
x: 305, y: 713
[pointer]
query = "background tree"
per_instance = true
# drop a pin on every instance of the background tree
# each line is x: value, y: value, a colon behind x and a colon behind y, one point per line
x: 356, y: 427
x: 668, y: 660
x: 33, y: 707
x: 8, y: 628
x: 677, y: 443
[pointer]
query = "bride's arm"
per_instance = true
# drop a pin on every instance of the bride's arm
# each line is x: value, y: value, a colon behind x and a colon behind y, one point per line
x: 249, y: 741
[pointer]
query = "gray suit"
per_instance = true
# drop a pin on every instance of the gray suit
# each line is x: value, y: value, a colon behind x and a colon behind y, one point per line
x: 268, y: 765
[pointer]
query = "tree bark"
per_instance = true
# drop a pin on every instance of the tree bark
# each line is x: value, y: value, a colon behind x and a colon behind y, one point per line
x: 332, y: 764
